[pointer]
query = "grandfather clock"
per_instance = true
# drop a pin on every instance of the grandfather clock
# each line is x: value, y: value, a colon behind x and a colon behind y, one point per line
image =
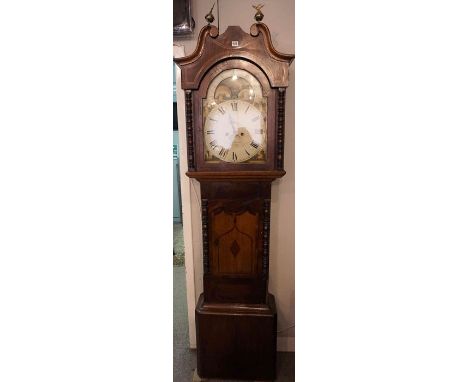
x: 234, y: 87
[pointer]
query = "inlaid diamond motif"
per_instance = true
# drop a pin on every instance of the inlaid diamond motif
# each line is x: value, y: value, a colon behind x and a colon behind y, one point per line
x: 235, y: 248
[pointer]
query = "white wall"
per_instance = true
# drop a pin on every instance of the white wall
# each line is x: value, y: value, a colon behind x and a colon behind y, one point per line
x: 279, y: 17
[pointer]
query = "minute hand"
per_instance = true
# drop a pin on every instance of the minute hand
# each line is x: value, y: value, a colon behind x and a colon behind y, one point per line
x: 231, y: 121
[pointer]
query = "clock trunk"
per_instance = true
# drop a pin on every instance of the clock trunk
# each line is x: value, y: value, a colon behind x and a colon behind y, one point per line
x: 236, y: 240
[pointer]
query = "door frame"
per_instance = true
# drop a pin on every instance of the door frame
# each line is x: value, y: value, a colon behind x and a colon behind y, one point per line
x: 179, y: 51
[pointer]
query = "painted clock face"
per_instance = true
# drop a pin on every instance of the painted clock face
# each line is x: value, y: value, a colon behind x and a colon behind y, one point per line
x: 234, y: 115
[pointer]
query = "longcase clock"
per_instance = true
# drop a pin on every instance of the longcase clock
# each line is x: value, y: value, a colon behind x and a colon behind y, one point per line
x: 235, y: 87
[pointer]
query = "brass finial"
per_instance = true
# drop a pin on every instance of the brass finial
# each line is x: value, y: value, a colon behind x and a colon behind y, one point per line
x: 209, y: 16
x: 259, y: 15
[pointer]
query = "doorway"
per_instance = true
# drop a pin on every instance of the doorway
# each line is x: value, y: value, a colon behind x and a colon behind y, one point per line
x: 183, y: 234
x: 183, y: 271
x: 178, y: 237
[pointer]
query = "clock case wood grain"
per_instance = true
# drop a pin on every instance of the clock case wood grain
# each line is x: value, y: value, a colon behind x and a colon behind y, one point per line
x: 235, y: 316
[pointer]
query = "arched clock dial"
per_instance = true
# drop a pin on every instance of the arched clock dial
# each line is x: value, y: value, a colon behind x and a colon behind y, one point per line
x: 234, y: 131
x: 234, y: 112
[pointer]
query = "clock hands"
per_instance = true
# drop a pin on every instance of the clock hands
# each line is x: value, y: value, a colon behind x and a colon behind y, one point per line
x: 234, y: 131
x: 231, y: 121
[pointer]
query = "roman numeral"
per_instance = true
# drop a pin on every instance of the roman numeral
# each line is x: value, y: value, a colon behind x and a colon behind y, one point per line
x: 247, y: 109
x: 247, y: 152
x: 214, y: 120
x: 210, y: 131
x: 221, y: 110
x: 223, y: 152
x: 234, y: 106
x: 254, y: 144
x: 213, y: 143
x: 255, y: 119
x: 234, y: 156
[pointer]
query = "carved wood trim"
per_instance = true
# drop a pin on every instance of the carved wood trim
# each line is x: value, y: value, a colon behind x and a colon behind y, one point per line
x: 266, y: 237
x: 235, y: 175
x: 280, y: 129
x: 255, y: 29
x: 210, y: 30
x: 189, y: 124
x: 206, y: 260
x: 235, y: 207
x: 255, y: 47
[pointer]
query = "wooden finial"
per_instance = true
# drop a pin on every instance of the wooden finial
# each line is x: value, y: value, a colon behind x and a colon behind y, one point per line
x: 209, y: 16
x: 259, y: 15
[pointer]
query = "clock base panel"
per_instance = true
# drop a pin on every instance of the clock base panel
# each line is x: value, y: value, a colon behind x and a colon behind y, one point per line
x: 236, y: 341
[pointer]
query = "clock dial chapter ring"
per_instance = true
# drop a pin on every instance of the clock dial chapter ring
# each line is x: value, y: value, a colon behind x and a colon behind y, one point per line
x: 234, y: 131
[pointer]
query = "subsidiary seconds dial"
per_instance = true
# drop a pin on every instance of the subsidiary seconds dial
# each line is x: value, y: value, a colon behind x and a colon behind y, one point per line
x: 234, y: 131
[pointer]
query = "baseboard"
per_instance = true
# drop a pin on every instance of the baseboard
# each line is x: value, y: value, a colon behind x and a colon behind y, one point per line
x: 285, y: 344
